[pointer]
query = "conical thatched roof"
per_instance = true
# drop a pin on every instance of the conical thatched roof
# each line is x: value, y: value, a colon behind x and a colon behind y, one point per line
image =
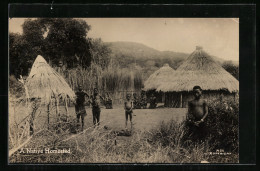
x: 44, y: 82
x: 200, y: 69
x: 158, y: 77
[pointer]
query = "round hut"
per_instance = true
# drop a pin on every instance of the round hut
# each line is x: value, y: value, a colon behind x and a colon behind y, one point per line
x: 47, y: 85
x: 199, y: 69
x: 156, y: 79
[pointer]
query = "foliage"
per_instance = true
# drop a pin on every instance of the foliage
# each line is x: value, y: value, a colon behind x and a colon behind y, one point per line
x: 100, y: 53
x: 222, y: 124
x: 56, y: 39
x: 21, y: 54
x: 231, y: 68
x: 110, y: 79
x: 168, y: 134
x: 16, y: 88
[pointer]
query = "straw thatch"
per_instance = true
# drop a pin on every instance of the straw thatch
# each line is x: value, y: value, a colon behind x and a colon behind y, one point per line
x: 158, y: 77
x: 200, y: 69
x: 44, y: 82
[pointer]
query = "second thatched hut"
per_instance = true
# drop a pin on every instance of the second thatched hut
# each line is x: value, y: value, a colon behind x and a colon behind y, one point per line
x: 156, y: 79
x: 199, y: 69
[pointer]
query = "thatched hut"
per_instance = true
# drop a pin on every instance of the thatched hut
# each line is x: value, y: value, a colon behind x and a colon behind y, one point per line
x: 47, y: 85
x: 156, y: 79
x: 199, y: 69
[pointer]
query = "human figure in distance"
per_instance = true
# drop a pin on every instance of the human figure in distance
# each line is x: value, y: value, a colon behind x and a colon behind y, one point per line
x: 96, y: 104
x: 153, y: 103
x: 128, y: 106
x: 80, y: 105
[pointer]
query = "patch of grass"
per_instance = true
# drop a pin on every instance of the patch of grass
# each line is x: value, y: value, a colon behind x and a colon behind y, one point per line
x: 161, y: 144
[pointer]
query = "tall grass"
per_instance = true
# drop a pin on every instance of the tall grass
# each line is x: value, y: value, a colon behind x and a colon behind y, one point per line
x: 113, y: 80
x: 160, y: 145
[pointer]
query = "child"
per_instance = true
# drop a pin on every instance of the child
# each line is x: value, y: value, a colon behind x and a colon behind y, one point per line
x: 95, y: 101
x: 79, y: 106
x: 128, y: 110
x: 197, y: 112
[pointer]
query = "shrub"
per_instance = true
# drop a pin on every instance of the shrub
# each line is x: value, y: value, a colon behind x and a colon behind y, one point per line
x: 222, y: 124
x: 16, y: 88
x: 168, y: 134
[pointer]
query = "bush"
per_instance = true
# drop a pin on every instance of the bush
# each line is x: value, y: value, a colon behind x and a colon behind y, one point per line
x: 222, y: 124
x: 168, y: 134
x: 16, y: 88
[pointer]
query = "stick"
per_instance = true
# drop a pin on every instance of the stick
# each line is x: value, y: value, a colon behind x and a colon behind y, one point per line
x: 66, y: 107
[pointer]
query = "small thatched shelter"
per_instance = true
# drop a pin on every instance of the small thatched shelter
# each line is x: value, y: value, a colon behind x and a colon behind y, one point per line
x: 157, y: 78
x: 199, y: 69
x: 45, y: 83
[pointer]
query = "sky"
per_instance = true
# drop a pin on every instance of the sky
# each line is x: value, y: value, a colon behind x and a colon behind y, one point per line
x: 218, y: 36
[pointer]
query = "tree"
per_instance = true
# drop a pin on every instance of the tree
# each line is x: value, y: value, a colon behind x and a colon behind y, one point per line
x: 100, y: 53
x: 55, y: 39
x: 67, y: 41
x: 231, y: 68
x: 21, y: 55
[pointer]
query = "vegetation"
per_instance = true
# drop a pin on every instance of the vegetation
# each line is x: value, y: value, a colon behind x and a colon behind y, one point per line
x: 111, y: 68
x: 56, y: 39
x: 231, y: 68
x: 163, y: 144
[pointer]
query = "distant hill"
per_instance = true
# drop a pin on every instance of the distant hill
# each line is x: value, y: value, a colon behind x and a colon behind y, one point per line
x: 136, y: 50
x: 129, y: 52
x: 132, y: 54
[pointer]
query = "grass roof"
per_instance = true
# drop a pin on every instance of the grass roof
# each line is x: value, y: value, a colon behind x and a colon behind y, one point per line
x: 158, y: 77
x: 200, y: 69
x: 44, y: 82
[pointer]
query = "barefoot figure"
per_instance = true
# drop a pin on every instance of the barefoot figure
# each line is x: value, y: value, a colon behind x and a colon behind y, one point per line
x: 79, y: 105
x: 197, y: 113
x: 128, y: 106
x: 95, y: 102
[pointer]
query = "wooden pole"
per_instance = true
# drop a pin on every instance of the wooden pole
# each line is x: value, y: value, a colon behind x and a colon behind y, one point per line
x: 181, y: 101
x: 48, y: 112
x: 66, y: 108
x: 57, y: 107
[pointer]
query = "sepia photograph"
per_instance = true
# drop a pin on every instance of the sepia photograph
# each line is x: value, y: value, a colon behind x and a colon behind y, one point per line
x: 123, y: 90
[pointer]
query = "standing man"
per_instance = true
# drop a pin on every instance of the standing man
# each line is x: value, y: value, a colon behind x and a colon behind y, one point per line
x: 95, y: 102
x: 197, y: 113
x: 80, y: 106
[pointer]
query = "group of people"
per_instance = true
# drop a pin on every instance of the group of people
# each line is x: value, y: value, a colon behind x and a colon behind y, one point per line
x: 197, y: 110
x: 141, y: 103
x: 94, y: 100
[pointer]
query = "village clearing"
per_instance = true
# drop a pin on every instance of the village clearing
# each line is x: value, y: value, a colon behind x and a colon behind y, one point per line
x: 112, y: 121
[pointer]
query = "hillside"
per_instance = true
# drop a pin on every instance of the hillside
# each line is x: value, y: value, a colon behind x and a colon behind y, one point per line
x: 146, y: 59
x: 142, y: 55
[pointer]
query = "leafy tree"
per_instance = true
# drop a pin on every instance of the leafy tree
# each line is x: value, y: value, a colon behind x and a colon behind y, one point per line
x: 21, y: 54
x: 231, y: 68
x: 67, y: 41
x: 100, y: 52
x: 55, y: 39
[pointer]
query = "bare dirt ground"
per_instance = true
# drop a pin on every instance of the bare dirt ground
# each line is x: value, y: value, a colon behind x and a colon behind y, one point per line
x: 143, y: 119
